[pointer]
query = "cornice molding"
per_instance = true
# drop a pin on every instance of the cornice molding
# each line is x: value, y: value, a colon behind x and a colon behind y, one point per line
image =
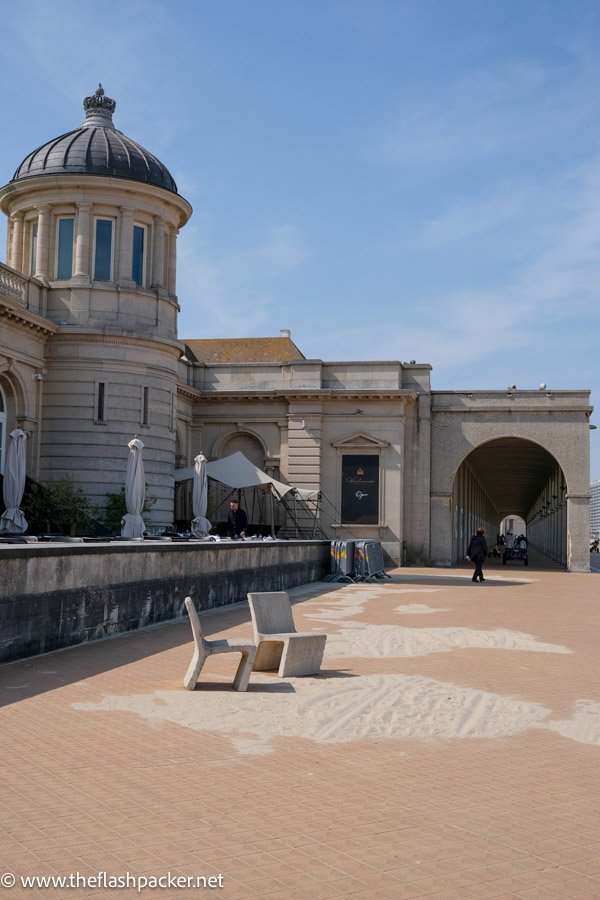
x: 70, y: 187
x: 190, y: 393
x: 86, y: 337
x: 22, y: 317
x: 513, y: 408
x: 310, y: 394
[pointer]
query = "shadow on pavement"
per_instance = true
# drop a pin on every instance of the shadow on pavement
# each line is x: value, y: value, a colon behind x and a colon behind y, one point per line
x: 28, y: 677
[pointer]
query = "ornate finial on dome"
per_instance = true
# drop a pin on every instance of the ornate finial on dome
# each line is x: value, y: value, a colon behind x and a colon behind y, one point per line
x: 99, y: 109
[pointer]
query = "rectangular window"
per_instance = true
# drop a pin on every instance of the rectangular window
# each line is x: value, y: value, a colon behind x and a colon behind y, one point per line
x: 145, y: 406
x: 100, y: 402
x: 101, y: 396
x: 137, y: 265
x: 360, y: 489
x: 34, y: 230
x: 64, y: 255
x: 103, y: 250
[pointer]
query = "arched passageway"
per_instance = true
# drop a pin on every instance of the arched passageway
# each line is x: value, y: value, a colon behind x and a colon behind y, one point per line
x: 511, y: 476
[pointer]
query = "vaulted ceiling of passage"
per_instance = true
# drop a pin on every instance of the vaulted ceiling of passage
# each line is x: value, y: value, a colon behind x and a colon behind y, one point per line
x: 512, y: 472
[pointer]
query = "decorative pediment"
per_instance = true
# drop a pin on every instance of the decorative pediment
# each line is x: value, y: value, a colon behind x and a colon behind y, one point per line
x: 359, y: 440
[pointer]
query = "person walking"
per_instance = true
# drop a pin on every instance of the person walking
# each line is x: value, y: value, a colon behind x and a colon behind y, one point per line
x: 477, y: 552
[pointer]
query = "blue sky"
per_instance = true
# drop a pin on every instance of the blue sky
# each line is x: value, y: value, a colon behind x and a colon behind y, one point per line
x: 389, y: 180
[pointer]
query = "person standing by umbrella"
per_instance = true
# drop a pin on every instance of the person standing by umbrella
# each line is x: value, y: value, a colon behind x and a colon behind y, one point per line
x: 477, y: 552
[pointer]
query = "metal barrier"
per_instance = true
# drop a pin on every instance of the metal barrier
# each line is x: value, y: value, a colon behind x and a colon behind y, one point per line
x: 356, y: 561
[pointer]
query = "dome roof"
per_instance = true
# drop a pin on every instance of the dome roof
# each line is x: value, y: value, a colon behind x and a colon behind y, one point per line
x: 96, y: 148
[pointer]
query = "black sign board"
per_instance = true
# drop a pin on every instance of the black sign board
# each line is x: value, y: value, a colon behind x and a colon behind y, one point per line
x: 360, y: 489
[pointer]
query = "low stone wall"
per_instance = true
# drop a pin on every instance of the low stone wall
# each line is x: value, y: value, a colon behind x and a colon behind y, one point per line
x: 59, y: 595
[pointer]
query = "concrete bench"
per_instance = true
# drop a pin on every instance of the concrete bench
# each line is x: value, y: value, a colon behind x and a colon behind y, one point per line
x: 206, y: 648
x: 279, y: 645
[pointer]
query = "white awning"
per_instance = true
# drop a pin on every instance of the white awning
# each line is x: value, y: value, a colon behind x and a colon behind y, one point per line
x: 237, y: 471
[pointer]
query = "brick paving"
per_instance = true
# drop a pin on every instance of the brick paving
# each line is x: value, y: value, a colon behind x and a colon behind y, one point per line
x: 482, y: 815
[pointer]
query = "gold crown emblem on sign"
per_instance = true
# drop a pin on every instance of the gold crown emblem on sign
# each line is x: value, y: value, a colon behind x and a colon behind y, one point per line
x: 360, y: 471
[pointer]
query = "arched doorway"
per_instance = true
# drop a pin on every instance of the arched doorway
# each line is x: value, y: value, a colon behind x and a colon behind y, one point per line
x: 511, y: 477
x: 258, y: 504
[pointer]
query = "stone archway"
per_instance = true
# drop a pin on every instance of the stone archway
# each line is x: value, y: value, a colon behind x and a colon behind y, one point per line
x: 245, y: 442
x: 526, y: 440
x: 511, y: 476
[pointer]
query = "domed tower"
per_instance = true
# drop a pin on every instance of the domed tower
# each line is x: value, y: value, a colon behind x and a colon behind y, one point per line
x: 94, y: 217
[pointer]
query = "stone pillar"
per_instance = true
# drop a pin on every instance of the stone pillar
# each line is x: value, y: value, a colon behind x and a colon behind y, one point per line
x: 417, y: 531
x: 9, y: 233
x: 16, y: 253
x: 172, y: 274
x: 126, y: 249
x: 304, y: 444
x: 578, y: 532
x: 441, y: 529
x: 43, y: 243
x: 158, y: 255
x: 82, y: 242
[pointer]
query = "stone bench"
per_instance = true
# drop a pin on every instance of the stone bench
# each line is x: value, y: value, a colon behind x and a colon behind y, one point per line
x: 206, y: 648
x: 279, y: 645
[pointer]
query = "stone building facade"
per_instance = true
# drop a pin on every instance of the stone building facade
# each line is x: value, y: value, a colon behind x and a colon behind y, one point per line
x: 90, y: 354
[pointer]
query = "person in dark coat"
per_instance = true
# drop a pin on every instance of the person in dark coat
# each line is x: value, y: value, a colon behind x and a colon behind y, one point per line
x: 237, y: 520
x: 477, y: 552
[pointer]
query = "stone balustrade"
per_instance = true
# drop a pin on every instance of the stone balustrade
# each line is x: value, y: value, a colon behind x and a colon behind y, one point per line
x: 12, y: 285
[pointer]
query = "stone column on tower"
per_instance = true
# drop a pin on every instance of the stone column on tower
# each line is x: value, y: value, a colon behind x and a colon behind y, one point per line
x: 43, y: 242
x: 16, y: 253
x: 172, y: 276
x: 126, y: 249
x: 82, y: 242
x: 158, y: 256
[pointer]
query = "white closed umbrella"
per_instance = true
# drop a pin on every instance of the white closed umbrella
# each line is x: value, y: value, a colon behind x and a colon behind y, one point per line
x: 200, y: 524
x: 12, y: 520
x: 132, y: 524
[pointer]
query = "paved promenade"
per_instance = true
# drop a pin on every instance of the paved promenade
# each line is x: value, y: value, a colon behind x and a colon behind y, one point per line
x: 450, y: 749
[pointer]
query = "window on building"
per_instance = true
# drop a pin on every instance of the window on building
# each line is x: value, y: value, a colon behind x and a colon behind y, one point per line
x: 64, y: 253
x: 139, y: 242
x: 145, y: 393
x: 360, y: 489
x: 101, y: 402
x: 34, y: 231
x: 103, y: 252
